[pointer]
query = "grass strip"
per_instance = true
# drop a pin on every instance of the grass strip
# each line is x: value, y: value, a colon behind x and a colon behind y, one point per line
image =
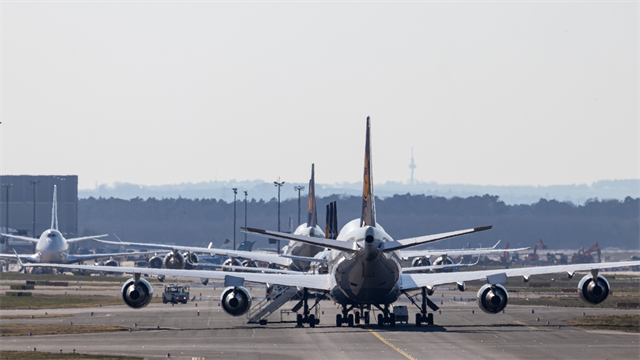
x: 42, y: 301
x: 7, y: 317
x: 37, y: 355
x: 55, y: 329
x: 625, y: 322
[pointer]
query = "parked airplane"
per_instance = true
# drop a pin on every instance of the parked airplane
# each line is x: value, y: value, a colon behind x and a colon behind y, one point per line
x: 296, y: 256
x: 364, y: 271
x: 442, y: 256
x: 52, y: 247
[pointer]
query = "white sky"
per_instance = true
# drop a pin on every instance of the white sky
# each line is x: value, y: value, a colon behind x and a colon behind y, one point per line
x: 157, y: 93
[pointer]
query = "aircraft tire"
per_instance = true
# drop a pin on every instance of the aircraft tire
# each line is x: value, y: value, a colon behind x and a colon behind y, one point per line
x: 338, y: 320
x: 418, y: 319
x: 392, y: 319
x: 350, y: 320
x: 380, y: 320
x: 312, y: 321
x: 299, y: 319
x: 366, y: 318
x: 357, y: 319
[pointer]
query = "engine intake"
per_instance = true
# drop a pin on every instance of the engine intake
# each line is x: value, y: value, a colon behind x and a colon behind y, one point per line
x: 235, y: 301
x: 492, y: 298
x: 421, y: 261
x: 155, y: 262
x: 174, y: 261
x: 111, y: 263
x: 137, y: 295
x: 594, y: 292
x: 191, y: 260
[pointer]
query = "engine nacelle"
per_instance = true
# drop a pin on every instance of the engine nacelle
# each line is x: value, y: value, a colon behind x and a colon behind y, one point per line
x: 191, y: 260
x: 461, y: 286
x: 594, y: 292
x: 137, y: 295
x: 441, y: 261
x: 111, y: 263
x: 232, y: 262
x: 174, y: 261
x: 235, y: 301
x: 249, y: 263
x: 204, y: 281
x: 161, y: 278
x: 492, y: 298
x: 421, y: 261
x: 155, y: 262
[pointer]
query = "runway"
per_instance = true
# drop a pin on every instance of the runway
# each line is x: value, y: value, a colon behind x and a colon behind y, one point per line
x: 161, y: 329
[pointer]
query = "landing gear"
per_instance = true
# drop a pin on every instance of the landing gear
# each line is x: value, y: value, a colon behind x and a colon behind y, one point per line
x: 386, y: 317
x: 345, y: 318
x: 366, y: 318
x: 305, y: 317
x: 357, y: 317
x: 338, y: 320
x: 350, y: 320
x: 422, y: 317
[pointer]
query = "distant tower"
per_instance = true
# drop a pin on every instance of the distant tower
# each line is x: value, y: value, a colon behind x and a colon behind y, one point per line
x: 412, y: 166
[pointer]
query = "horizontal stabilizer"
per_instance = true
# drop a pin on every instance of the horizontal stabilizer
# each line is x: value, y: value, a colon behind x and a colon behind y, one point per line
x: 405, y: 243
x: 85, y: 238
x: 328, y: 243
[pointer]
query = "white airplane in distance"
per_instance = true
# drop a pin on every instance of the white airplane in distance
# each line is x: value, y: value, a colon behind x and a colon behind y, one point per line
x: 442, y: 256
x: 364, y: 271
x: 296, y: 256
x: 52, y: 247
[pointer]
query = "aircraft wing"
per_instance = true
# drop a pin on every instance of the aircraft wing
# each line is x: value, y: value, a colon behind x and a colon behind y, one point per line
x: 25, y: 257
x: 78, y: 258
x: 315, y: 282
x: 405, y: 243
x: 439, y: 267
x: 85, y: 238
x: 405, y: 254
x: 245, y: 268
x: 415, y: 281
x: 322, y: 242
x: 23, y: 238
x: 248, y: 255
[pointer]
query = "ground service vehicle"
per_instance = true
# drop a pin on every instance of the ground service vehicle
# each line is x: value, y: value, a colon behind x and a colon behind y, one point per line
x: 175, y: 294
x: 402, y: 313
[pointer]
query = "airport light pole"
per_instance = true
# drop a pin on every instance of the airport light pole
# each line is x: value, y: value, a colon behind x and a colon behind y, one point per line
x: 235, y: 192
x: 6, y: 239
x: 298, y: 189
x: 278, y: 184
x: 245, y: 219
x: 34, y: 183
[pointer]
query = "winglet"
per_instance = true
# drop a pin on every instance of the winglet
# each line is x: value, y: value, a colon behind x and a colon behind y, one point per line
x: 312, y: 216
x: 368, y: 217
x: 54, y: 209
x: 494, y: 246
x: 114, y: 234
x: 18, y: 257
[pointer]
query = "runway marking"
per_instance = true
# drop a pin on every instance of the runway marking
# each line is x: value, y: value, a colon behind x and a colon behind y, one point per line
x: 521, y: 323
x: 390, y: 345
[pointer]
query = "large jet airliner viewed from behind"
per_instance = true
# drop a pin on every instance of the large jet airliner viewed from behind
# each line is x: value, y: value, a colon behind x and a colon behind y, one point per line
x: 364, y: 271
x: 52, y: 247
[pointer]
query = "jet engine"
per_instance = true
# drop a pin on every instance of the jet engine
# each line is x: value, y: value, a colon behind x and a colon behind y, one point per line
x: 492, y: 298
x: 155, y: 262
x: 248, y: 263
x: 235, y: 301
x: 443, y: 261
x: 593, y: 292
x: 421, y: 261
x: 204, y: 281
x: 111, y: 263
x: 174, y: 261
x: 232, y: 262
x: 191, y: 260
x: 137, y: 295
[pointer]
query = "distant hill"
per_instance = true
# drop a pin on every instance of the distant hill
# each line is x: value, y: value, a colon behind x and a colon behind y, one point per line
x: 562, y: 225
x: 261, y: 190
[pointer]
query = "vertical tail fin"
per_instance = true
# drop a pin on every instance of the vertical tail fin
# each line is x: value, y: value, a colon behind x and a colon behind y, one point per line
x: 368, y: 201
x: 54, y: 209
x: 312, y: 216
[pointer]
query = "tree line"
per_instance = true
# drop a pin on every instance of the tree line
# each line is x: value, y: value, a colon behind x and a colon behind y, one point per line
x: 561, y: 225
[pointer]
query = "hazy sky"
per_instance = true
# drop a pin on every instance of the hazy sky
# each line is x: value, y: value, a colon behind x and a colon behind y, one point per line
x: 486, y: 93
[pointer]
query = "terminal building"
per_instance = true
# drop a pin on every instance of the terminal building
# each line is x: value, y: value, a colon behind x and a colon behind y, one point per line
x: 20, y: 191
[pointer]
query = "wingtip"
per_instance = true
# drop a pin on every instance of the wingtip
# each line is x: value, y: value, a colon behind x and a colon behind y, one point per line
x: 482, y: 228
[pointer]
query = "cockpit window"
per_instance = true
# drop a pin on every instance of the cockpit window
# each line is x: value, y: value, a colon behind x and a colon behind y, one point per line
x: 51, y: 235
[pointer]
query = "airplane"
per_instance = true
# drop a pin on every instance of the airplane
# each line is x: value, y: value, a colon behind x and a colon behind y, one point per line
x: 296, y: 256
x: 364, y: 271
x: 422, y: 257
x: 52, y: 247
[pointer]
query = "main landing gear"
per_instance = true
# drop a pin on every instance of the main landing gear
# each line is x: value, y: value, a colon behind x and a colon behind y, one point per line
x: 386, y: 317
x: 306, y: 317
x: 353, y: 319
x: 422, y: 317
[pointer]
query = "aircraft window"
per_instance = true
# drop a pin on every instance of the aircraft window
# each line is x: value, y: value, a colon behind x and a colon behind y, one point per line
x: 51, y: 235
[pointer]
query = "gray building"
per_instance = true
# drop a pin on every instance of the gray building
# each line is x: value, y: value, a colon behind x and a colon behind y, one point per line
x: 21, y: 203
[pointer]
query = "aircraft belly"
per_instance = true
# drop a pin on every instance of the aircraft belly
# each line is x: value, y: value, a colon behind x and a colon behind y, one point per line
x: 372, y: 281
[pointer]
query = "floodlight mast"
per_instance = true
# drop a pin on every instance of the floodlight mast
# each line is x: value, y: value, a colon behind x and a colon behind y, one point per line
x: 34, y: 183
x: 245, y: 219
x: 235, y: 191
x: 278, y: 184
x: 298, y: 189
